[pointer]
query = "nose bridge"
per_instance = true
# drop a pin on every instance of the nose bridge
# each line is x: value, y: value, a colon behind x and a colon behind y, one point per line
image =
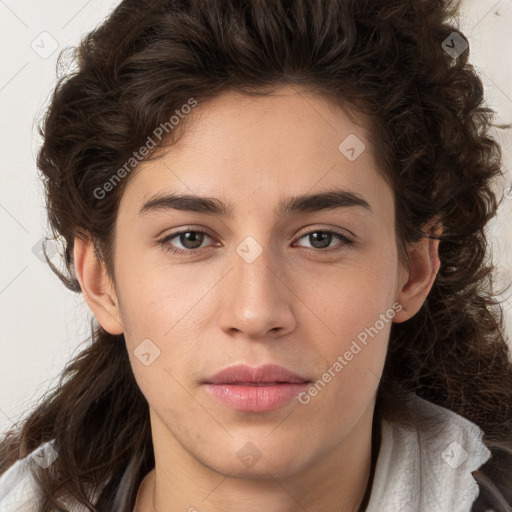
x: 255, y: 266
x: 257, y: 301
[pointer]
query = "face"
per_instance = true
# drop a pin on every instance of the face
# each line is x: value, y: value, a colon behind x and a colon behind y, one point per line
x: 314, y: 290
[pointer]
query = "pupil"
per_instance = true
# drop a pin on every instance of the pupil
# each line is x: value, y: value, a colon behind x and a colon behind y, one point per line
x: 325, y: 236
x: 191, y: 236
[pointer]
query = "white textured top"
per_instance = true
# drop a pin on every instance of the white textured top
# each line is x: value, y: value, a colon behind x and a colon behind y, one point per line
x: 417, y: 471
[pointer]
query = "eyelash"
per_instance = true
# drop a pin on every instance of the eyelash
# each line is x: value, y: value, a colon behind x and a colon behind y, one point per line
x: 189, y: 252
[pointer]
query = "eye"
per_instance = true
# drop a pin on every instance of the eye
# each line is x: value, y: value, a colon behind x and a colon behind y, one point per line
x: 321, y: 239
x: 190, y: 239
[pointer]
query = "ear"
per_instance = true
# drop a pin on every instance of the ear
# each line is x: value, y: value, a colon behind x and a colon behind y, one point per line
x: 416, y: 283
x: 96, y: 286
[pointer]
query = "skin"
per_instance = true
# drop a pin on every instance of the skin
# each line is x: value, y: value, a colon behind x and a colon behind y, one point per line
x: 289, y: 307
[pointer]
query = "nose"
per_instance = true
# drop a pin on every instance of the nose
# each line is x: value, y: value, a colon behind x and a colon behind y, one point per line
x: 257, y: 296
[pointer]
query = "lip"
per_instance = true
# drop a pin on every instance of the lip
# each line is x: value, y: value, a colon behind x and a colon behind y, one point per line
x: 259, y: 389
x: 244, y: 374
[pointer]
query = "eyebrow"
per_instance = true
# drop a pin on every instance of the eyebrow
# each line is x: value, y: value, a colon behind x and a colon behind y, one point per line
x: 329, y: 200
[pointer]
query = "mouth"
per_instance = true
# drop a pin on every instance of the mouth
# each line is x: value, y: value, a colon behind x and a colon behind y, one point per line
x: 255, y: 389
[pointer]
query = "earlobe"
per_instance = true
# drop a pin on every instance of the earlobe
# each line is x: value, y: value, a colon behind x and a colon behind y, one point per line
x: 96, y: 286
x: 424, y: 266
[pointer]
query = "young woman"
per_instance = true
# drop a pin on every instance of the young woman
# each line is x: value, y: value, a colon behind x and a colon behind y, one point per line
x: 276, y: 212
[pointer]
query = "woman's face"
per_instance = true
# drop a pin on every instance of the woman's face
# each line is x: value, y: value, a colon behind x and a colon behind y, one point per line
x: 309, y: 288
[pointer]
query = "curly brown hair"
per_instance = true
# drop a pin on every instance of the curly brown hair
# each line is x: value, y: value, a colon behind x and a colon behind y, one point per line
x: 431, y: 135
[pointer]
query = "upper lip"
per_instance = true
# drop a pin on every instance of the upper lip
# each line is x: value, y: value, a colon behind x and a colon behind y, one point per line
x: 243, y: 374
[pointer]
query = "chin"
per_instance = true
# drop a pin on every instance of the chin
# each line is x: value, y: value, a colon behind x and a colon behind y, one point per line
x: 254, y: 464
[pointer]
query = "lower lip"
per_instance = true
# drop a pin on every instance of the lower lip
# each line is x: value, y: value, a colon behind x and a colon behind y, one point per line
x: 256, y: 398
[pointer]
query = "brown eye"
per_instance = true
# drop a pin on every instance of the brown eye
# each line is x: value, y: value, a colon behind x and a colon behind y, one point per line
x: 322, y: 239
x: 191, y: 241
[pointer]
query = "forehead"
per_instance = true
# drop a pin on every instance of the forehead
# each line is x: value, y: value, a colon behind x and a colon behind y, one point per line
x: 255, y: 150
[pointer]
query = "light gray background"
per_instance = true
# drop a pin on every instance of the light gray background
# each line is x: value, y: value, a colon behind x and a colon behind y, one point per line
x: 42, y: 323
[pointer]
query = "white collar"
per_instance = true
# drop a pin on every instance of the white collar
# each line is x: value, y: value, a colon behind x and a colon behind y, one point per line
x: 423, y: 471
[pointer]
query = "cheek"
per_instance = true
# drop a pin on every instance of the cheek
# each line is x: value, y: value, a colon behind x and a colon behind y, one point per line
x: 155, y: 294
x: 354, y: 313
x: 354, y: 292
x: 165, y: 312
